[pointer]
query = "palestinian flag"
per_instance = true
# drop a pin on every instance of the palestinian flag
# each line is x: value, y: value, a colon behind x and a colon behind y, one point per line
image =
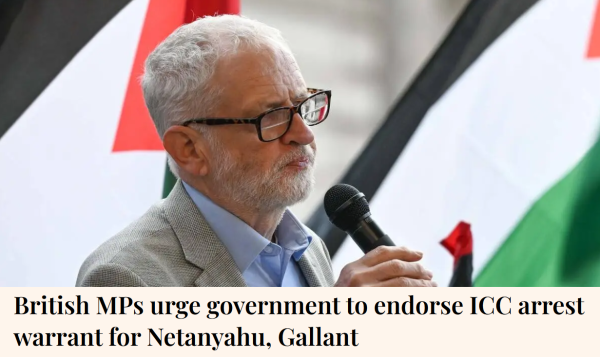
x: 79, y: 155
x: 501, y: 130
x: 460, y: 244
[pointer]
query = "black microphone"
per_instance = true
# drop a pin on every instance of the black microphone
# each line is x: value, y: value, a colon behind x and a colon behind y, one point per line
x: 348, y: 209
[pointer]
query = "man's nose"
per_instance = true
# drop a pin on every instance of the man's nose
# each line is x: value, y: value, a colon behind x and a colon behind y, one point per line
x: 299, y: 132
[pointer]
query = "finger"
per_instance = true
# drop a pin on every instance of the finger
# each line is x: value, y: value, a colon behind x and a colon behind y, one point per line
x: 406, y: 282
x: 396, y: 268
x: 383, y: 253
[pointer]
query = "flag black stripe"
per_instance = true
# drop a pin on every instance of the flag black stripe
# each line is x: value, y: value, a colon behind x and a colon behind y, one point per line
x: 37, y: 40
x: 477, y: 27
x: 463, y: 272
x: 9, y: 9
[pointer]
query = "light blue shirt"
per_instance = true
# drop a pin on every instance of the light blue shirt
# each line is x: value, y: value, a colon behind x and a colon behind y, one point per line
x: 261, y: 262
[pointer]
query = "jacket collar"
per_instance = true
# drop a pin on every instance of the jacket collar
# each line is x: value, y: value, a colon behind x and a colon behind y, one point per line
x: 200, y: 244
x: 308, y: 264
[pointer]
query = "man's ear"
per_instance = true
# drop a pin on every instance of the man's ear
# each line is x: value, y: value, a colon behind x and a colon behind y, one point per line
x: 187, y: 149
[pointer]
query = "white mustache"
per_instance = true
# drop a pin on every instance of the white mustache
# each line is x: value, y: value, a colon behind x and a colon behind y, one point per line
x: 303, y: 152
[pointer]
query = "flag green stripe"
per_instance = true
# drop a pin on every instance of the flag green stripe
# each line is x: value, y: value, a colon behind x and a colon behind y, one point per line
x: 557, y: 243
x: 169, y: 182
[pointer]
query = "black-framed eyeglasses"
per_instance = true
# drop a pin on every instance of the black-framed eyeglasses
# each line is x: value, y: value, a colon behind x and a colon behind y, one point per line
x: 274, y: 123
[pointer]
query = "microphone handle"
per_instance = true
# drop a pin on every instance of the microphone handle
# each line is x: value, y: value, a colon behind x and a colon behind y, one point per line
x: 369, y: 236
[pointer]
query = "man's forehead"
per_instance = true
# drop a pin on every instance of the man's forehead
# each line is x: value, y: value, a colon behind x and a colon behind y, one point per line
x: 256, y: 65
x: 286, y: 70
x: 276, y: 82
x: 256, y: 80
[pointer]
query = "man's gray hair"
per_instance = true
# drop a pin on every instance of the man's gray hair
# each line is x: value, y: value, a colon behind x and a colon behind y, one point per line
x: 177, y: 72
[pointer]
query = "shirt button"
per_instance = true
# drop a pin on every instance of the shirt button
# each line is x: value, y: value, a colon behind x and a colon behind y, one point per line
x: 268, y: 250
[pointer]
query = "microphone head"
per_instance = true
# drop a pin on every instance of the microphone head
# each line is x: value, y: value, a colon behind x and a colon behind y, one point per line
x: 345, y: 206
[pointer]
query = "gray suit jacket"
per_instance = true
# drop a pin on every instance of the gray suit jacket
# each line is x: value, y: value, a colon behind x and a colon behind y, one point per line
x: 173, y: 245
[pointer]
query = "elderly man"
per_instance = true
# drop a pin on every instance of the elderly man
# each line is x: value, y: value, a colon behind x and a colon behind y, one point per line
x: 234, y: 114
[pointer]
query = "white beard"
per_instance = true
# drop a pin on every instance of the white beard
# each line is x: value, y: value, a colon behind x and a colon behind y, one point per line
x: 275, y: 189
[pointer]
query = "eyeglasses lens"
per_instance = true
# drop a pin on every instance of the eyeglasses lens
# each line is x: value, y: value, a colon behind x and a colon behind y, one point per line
x: 315, y: 109
x: 275, y: 124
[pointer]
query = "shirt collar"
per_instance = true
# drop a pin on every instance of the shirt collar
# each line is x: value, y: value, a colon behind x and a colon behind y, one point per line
x: 291, y: 233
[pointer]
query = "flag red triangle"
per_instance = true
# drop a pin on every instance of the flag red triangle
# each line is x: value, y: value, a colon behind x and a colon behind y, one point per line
x: 136, y: 130
x: 594, y: 48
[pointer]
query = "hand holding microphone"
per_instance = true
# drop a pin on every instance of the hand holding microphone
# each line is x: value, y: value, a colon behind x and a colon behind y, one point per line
x: 383, y: 263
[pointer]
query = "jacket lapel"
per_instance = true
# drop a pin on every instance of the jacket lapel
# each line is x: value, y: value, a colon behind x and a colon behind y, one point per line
x: 200, y: 244
x: 308, y: 264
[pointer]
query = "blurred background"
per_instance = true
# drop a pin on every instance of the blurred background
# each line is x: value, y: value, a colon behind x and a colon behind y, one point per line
x: 366, y: 52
